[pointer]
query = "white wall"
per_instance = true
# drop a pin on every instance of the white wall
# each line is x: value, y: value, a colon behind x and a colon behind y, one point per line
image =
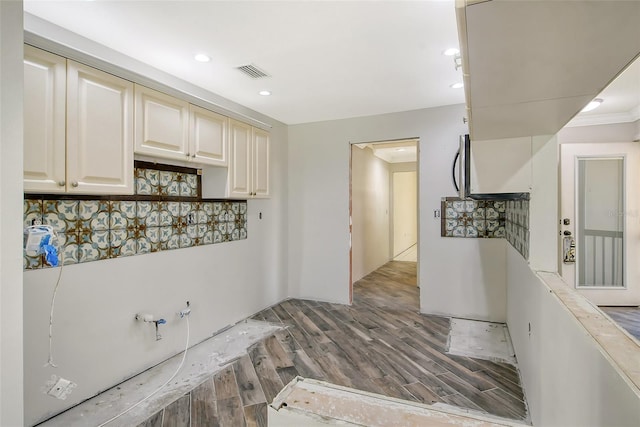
x: 370, y: 212
x: 460, y: 277
x: 600, y: 133
x: 568, y: 378
x: 11, y: 76
x: 404, y: 210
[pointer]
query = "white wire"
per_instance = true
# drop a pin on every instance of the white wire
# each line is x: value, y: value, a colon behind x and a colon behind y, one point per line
x: 55, y: 291
x: 53, y: 303
x: 184, y: 356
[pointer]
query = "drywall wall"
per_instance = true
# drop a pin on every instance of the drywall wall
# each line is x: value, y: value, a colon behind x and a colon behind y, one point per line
x: 543, y: 206
x: 370, y: 212
x: 615, y: 132
x: 404, y: 210
x: 11, y: 76
x: 568, y: 378
x: 459, y: 277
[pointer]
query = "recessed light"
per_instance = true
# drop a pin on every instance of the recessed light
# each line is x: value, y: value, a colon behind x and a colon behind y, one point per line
x: 201, y: 57
x: 264, y: 93
x: 401, y: 149
x: 456, y: 85
x: 592, y: 105
x: 451, y: 51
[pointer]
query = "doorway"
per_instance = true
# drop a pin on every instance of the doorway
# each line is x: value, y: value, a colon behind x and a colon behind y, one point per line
x: 599, y: 216
x: 383, y: 205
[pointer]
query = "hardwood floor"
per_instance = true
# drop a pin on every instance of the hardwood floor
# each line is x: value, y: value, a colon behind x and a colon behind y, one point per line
x: 380, y: 344
x: 627, y: 317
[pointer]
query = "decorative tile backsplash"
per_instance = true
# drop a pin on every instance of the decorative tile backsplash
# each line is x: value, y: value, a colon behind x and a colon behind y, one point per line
x: 488, y: 218
x: 166, y: 213
x: 517, y: 226
x: 472, y: 218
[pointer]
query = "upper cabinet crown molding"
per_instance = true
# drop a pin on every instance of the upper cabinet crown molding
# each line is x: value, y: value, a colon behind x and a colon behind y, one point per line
x: 530, y: 66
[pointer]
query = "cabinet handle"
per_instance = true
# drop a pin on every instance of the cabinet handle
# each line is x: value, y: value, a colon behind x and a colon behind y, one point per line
x: 188, y: 155
x: 74, y: 184
x: 61, y: 183
x: 193, y: 155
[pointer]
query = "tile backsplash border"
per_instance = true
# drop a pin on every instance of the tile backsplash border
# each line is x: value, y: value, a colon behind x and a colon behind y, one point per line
x: 167, y: 212
x: 470, y: 218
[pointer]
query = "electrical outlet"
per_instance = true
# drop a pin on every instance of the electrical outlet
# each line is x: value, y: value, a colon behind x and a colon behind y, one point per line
x: 61, y: 389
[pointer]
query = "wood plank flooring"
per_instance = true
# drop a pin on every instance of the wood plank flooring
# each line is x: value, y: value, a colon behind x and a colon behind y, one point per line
x: 380, y: 344
x: 627, y: 317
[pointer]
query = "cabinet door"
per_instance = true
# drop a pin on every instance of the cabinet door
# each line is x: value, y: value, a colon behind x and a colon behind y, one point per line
x: 208, y: 136
x: 162, y: 124
x: 239, y: 178
x: 99, y: 132
x: 260, y: 163
x: 44, y: 121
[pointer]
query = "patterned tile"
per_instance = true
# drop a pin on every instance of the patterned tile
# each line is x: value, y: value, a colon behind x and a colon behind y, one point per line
x: 148, y: 214
x: 31, y: 211
x: 122, y: 215
x: 31, y: 262
x: 169, y: 185
x: 62, y: 215
x: 94, y: 215
x: 205, y: 231
x: 92, y: 229
x: 168, y: 240
x: 188, y: 184
x: 147, y: 181
x: 93, y: 245
x: 148, y: 240
x: 122, y: 242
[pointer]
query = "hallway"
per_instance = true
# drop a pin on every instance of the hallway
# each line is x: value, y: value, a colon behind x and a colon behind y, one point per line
x: 380, y: 344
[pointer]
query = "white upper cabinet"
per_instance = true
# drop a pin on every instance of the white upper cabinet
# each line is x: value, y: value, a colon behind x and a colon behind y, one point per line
x: 260, y: 163
x: 162, y: 125
x: 248, y: 175
x: 78, y: 128
x: 99, y: 132
x: 239, y: 176
x: 44, y: 121
x: 208, y: 136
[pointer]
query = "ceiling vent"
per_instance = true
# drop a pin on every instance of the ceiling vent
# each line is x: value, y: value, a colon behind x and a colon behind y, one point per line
x: 252, y: 71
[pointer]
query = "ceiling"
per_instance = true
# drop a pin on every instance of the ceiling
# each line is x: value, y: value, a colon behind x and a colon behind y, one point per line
x: 530, y: 66
x: 325, y: 59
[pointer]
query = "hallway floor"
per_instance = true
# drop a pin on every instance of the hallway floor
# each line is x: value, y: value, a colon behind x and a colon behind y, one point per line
x: 380, y: 344
x: 627, y: 317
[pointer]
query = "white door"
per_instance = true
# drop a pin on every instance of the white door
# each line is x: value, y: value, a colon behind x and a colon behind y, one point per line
x: 99, y: 132
x: 600, y: 215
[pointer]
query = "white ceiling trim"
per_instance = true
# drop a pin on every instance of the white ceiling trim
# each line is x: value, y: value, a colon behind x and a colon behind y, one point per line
x: 605, y: 119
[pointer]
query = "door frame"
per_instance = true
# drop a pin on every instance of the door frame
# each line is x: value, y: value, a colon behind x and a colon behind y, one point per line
x: 350, y: 212
x: 569, y: 152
